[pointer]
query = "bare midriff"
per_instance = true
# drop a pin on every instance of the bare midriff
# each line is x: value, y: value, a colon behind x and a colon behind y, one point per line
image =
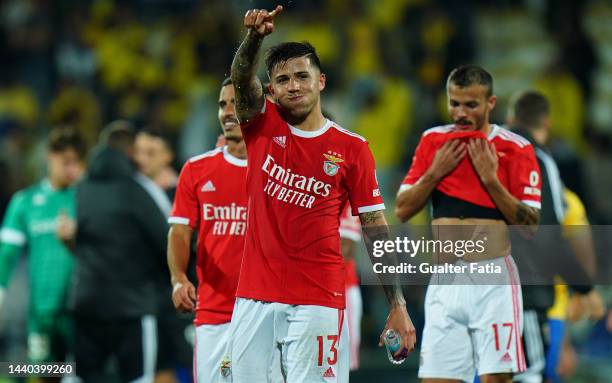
x: 493, y: 232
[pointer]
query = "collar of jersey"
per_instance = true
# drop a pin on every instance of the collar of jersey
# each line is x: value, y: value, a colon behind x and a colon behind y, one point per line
x: 311, y: 134
x: 493, y: 132
x: 233, y: 160
x: 46, y: 185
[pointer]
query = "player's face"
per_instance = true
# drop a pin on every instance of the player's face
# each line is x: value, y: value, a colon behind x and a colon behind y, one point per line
x: 151, y: 154
x: 296, y: 85
x: 469, y: 106
x: 227, y: 114
x: 65, y: 167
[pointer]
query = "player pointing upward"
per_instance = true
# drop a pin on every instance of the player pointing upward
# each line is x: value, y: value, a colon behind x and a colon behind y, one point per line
x: 303, y: 168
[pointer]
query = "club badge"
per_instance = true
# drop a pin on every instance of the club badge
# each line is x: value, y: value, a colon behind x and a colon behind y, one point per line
x: 331, y: 167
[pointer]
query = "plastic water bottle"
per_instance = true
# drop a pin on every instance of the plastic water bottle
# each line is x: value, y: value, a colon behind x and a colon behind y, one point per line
x: 393, y: 343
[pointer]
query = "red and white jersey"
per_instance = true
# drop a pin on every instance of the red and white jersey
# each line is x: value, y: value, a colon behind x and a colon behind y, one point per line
x: 211, y: 197
x: 298, y: 184
x: 350, y: 228
x: 518, y: 168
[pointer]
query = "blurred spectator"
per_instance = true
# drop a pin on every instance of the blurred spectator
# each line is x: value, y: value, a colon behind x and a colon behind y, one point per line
x: 74, y: 59
x: 154, y: 155
x: 567, y: 110
x: 121, y: 236
x: 78, y: 106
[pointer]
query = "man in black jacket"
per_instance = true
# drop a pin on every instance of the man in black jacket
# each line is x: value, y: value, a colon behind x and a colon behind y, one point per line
x: 547, y: 254
x: 121, y: 235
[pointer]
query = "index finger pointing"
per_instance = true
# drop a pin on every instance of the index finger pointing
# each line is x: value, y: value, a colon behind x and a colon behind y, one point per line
x: 276, y: 11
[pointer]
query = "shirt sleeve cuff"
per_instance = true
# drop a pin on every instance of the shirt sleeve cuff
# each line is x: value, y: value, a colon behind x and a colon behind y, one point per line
x: 371, y: 208
x: 534, y: 204
x: 179, y: 220
x: 12, y: 237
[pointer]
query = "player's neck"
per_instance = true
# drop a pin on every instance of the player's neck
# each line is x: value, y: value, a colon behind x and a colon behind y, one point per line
x: 55, y: 184
x: 313, y: 122
x: 237, y: 149
x: 486, y: 129
x: 539, y: 136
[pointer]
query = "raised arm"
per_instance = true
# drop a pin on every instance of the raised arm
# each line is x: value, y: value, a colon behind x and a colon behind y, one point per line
x: 249, y: 91
x: 375, y: 228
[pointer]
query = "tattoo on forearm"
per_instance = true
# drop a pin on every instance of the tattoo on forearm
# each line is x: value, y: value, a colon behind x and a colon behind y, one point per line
x: 526, y: 215
x: 521, y: 213
x: 375, y: 229
x: 245, y: 60
x: 248, y: 88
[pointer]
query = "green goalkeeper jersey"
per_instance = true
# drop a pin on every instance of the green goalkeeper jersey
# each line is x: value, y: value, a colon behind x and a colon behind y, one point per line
x: 30, y: 224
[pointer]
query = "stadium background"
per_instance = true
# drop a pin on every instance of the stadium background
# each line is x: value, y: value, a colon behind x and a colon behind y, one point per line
x: 159, y: 63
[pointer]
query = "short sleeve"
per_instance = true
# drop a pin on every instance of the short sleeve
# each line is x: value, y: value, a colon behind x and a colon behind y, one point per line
x: 419, y: 166
x: 364, y: 192
x: 350, y: 225
x: 12, y: 237
x: 185, y: 209
x: 526, y: 179
x: 13, y: 230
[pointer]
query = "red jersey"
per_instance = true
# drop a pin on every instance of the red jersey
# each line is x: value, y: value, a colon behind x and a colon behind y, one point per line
x: 298, y: 184
x: 518, y: 168
x: 350, y: 228
x: 211, y: 196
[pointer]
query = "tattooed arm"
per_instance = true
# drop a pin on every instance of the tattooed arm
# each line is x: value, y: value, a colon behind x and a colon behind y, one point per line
x: 513, y: 210
x: 249, y: 92
x: 375, y: 228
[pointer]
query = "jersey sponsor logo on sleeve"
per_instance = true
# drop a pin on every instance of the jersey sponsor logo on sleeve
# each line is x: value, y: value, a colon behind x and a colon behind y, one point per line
x: 208, y: 187
x: 376, y: 193
x: 293, y: 188
x: 532, y: 191
x: 331, y: 167
x: 280, y: 141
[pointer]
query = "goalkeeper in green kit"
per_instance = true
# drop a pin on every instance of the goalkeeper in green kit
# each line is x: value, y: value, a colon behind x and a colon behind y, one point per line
x: 30, y: 225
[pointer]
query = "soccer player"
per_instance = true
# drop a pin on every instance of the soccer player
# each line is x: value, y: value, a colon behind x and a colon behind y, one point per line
x: 482, y: 175
x: 211, y: 198
x: 350, y: 237
x: 302, y: 170
x: 30, y: 223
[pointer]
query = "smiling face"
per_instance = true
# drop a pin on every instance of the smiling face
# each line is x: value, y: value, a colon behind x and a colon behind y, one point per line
x: 296, y: 86
x: 227, y: 114
x: 469, y: 106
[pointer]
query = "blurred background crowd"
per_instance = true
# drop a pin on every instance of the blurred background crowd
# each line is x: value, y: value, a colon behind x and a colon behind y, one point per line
x: 160, y: 63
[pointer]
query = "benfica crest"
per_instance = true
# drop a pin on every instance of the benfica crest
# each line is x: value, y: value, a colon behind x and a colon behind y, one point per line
x: 331, y: 167
x: 226, y: 367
